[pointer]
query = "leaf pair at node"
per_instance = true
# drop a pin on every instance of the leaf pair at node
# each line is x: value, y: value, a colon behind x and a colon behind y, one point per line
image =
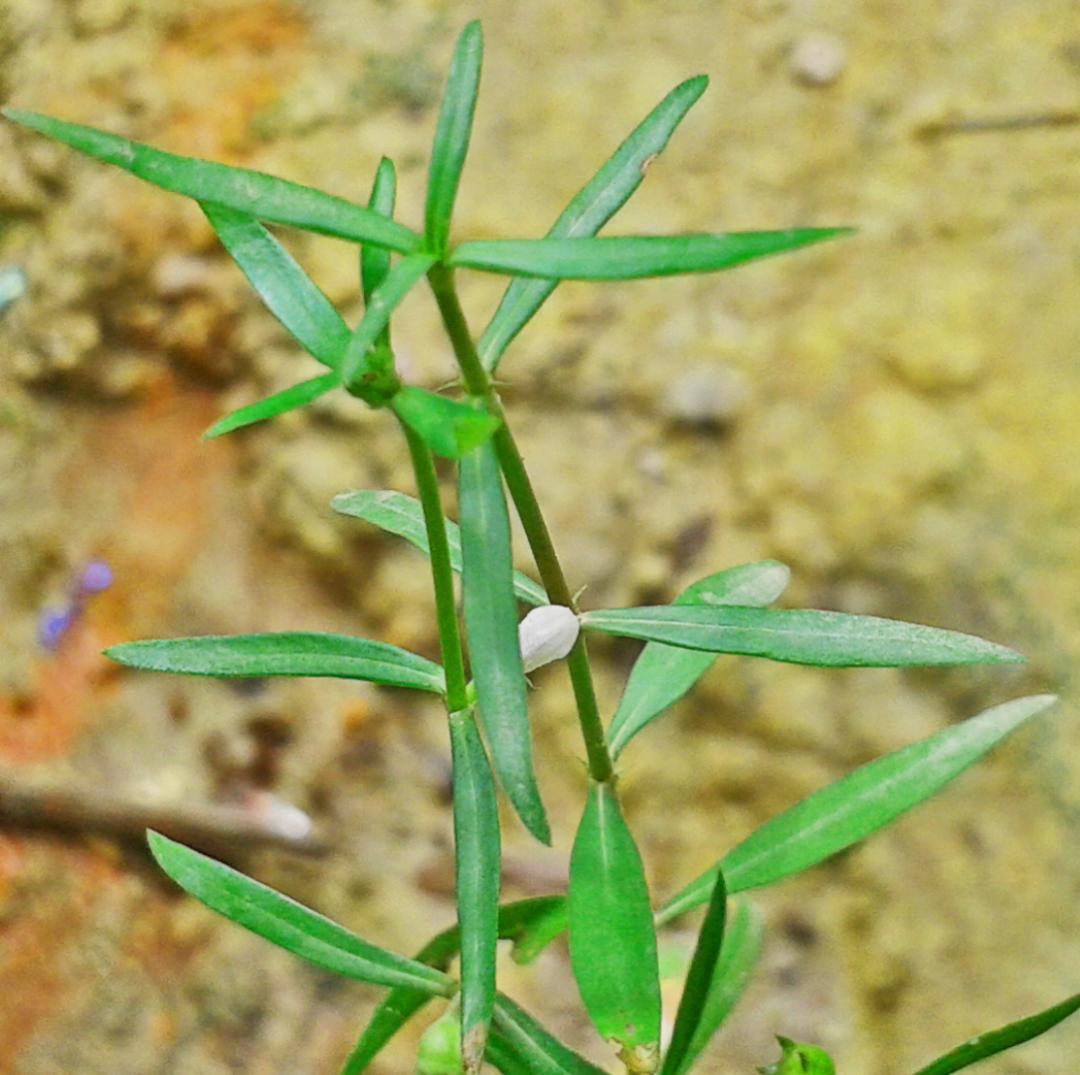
x: 238, y: 201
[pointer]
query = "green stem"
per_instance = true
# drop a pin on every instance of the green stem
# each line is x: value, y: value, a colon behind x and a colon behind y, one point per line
x: 427, y: 485
x: 478, y: 384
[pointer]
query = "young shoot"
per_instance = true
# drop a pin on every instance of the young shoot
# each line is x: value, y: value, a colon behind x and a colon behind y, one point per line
x: 486, y: 648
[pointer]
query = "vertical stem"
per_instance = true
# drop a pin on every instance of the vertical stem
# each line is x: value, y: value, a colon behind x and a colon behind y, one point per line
x: 442, y: 575
x: 478, y: 383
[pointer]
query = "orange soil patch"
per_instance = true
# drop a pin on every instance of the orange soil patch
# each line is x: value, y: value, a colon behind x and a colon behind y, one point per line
x: 165, y: 474
x: 36, y: 934
x: 221, y: 68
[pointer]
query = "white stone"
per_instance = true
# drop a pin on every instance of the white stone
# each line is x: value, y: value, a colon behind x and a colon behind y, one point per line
x: 818, y: 59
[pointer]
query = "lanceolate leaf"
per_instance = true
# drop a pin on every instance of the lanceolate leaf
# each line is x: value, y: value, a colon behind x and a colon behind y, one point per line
x: 452, y: 135
x: 699, y: 979
x: 663, y: 674
x: 802, y: 636
x: 992, y: 1042
x: 837, y: 816
x: 492, y: 633
x: 612, y: 940
x: 447, y: 427
x: 503, y: 1057
x: 868, y: 799
x: 521, y: 1044
x: 293, y: 653
x: 290, y: 925
x: 374, y: 260
x: 287, y: 290
x: 631, y: 257
x: 297, y: 395
x: 476, y: 856
x: 384, y: 299
x: 264, y: 197
x: 399, y: 514
x: 591, y: 208
x: 739, y: 955
x: 401, y: 1003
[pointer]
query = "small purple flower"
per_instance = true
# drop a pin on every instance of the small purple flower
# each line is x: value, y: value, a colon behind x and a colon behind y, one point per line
x: 53, y: 624
x: 96, y: 576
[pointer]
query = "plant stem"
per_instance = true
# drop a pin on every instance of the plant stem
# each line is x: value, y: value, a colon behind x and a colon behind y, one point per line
x: 442, y: 575
x: 478, y: 384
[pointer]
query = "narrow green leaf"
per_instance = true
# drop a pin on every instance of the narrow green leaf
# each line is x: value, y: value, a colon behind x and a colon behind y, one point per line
x: 802, y: 636
x: 374, y: 260
x: 663, y: 674
x: 491, y: 630
x: 477, y: 861
x: 384, y: 299
x: 992, y: 1042
x: 520, y: 1044
x: 739, y: 955
x: 292, y: 653
x: 401, y: 1003
x: 452, y: 135
x: 290, y: 925
x: 631, y: 257
x: 590, y: 209
x: 447, y: 427
x: 264, y: 197
x: 612, y: 939
x: 861, y: 803
x: 399, y: 514
x: 504, y: 1058
x: 699, y: 980
x: 289, y: 293
x: 290, y: 399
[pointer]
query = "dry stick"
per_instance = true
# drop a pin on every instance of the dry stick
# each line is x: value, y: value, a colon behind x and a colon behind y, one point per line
x: 28, y: 804
x: 1001, y: 124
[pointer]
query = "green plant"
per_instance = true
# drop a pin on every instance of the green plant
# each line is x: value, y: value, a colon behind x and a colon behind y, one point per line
x: 607, y: 910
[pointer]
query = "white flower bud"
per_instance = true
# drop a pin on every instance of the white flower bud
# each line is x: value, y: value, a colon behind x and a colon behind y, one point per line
x: 547, y: 634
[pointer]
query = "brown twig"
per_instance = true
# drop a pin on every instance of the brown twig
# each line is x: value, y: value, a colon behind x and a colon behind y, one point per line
x: 999, y: 124
x: 29, y: 804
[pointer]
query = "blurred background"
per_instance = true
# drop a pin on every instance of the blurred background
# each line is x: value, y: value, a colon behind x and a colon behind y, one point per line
x: 894, y: 415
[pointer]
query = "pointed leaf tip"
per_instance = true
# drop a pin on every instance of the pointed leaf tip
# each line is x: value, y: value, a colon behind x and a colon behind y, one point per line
x: 452, y: 133
x: 263, y: 196
x: 590, y: 209
x: 992, y: 1042
x: 858, y: 804
x: 289, y: 924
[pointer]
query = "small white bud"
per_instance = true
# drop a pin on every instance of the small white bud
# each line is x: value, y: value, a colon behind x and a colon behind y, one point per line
x: 547, y: 634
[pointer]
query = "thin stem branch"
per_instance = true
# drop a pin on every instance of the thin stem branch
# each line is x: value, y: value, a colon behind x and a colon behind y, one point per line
x: 478, y: 384
x: 442, y: 575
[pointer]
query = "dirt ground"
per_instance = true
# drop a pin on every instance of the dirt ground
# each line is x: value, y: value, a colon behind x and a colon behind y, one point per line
x: 895, y: 416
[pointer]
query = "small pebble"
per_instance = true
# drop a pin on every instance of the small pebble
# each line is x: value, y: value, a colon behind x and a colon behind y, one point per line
x: 710, y: 395
x: 12, y: 285
x: 818, y: 59
x: 180, y: 274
